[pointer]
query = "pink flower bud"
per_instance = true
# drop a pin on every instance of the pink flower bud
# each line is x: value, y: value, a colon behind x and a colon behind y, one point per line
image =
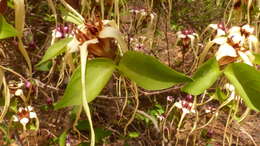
x: 28, y: 84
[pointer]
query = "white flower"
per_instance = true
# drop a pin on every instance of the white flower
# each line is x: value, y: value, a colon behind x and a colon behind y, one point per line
x: 220, y: 28
x: 231, y: 89
x: 24, y: 115
x: 236, y: 39
x: 21, y: 84
x: 73, y: 45
x: 186, y: 34
x: 232, y: 46
x: 247, y: 29
x: 169, y: 98
x: 234, y: 29
x: 18, y: 92
x: 160, y: 117
x: 185, y: 106
x: 24, y: 121
x: 209, y: 109
x: 225, y: 50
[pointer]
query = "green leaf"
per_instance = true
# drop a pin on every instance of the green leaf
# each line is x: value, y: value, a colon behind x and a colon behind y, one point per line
x: 220, y: 96
x: 100, y: 133
x: 98, y: 73
x: 56, y: 49
x: 133, y: 134
x: 246, y: 80
x: 257, y: 58
x: 6, y: 30
x: 46, y: 66
x: 70, y: 17
x: 148, y: 72
x: 205, y: 77
x: 62, y: 139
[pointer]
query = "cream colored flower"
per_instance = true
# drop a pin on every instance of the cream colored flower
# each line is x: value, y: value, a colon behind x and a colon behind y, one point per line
x: 24, y: 115
x: 220, y: 29
x: 18, y: 92
x: 185, y: 106
x: 234, y: 45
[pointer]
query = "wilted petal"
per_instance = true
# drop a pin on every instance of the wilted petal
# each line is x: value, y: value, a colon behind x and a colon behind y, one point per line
x: 111, y: 32
x: 245, y: 58
x: 220, y: 40
x: 86, y: 43
x: 225, y: 50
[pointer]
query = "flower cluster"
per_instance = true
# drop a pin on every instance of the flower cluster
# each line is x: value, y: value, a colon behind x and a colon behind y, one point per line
x: 143, y: 13
x: 17, y: 88
x: 235, y: 44
x: 62, y: 31
x: 138, y: 11
x: 209, y: 109
x: 24, y: 115
x: 187, y: 36
x: 186, y: 105
x: 138, y: 43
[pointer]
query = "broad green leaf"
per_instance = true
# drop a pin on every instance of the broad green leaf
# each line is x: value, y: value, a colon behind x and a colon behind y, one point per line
x: 148, y: 72
x: 6, y: 30
x: 56, y: 49
x: 246, y: 80
x: 205, y: 77
x: 98, y: 73
x: 257, y: 58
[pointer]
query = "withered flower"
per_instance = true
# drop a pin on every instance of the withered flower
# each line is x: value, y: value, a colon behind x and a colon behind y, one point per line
x: 100, y: 35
